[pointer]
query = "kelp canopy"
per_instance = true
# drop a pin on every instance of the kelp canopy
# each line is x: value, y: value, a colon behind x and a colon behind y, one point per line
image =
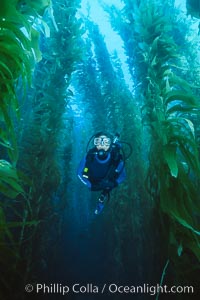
x: 59, y: 85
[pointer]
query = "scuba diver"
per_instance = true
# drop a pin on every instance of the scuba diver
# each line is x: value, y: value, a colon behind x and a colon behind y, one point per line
x: 103, y: 167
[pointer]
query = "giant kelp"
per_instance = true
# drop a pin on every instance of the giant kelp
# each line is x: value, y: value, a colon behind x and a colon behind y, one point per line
x: 169, y: 105
x: 37, y: 155
x: 47, y: 133
x: 15, y: 63
x: 17, y: 51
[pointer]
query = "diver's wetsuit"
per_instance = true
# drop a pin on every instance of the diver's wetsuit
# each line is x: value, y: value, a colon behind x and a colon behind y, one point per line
x: 100, y: 173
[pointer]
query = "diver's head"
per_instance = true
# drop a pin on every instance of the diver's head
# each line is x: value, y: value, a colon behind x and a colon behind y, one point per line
x: 102, y: 142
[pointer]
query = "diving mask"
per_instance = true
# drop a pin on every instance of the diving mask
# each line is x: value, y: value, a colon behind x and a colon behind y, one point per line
x: 102, y: 141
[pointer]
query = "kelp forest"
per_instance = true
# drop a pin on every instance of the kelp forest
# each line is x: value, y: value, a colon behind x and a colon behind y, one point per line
x: 59, y: 86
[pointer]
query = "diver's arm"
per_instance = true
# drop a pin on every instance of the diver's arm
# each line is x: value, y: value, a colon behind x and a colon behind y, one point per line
x: 80, y: 174
x: 122, y: 173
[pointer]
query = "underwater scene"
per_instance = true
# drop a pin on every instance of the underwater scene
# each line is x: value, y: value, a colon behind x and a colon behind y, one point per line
x: 99, y: 149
